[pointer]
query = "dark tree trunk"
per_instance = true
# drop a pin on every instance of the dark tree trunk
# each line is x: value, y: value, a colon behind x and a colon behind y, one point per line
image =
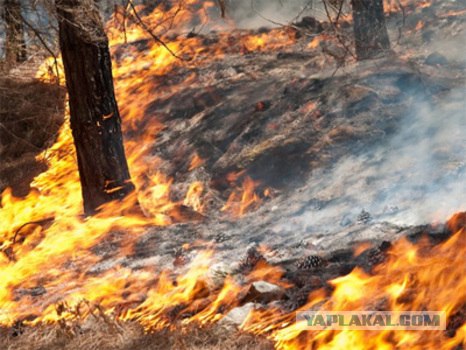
x: 95, y: 119
x: 15, y: 46
x: 370, y: 31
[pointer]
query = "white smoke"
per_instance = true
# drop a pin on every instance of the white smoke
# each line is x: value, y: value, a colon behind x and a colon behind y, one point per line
x: 415, y: 177
x: 252, y: 14
x: 262, y: 13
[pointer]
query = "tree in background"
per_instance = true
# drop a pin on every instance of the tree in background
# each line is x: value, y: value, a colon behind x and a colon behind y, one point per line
x: 370, y: 31
x: 95, y: 119
x: 15, y: 46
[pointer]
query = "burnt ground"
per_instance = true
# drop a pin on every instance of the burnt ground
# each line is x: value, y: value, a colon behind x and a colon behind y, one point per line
x: 342, y: 148
x: 353, y: 152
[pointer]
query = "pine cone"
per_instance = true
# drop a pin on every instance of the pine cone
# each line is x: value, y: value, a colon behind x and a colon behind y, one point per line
x: 364, y: 217
x: 221, y: 237
x: 310, y: 262
x: 251, y: 259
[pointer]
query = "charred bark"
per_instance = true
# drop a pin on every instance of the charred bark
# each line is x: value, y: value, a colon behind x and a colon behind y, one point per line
x: 95, y: 119
x: 370, y: 31
x: 15, y: 46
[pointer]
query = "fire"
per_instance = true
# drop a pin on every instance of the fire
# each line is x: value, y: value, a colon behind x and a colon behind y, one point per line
x: 314, y: 43
x: 194, y: 196
x: 392, y: 6
x: 419, y: 25
x: 453, y: 13
x: 45, y: 241
x: 267, y: 41
x: 44, y: 236
x: 196, y: 162
x: 240, y: 200
x: 414, y: 277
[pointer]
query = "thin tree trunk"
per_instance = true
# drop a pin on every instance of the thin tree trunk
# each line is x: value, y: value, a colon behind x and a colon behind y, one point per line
x: 370, y: 31
x: 95, y: 119
x: 15, y: 46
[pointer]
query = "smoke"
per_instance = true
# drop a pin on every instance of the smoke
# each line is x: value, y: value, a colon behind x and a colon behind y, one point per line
x: 415, y: 177
x: 250, y: 14
x: 257, y: 13
x: 424, y: 168
x: 419, y: 175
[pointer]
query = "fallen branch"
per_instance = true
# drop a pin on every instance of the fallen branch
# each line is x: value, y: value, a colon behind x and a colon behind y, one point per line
x: 38, y: 222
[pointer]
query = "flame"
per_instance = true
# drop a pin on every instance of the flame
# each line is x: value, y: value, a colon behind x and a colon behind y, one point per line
x: 194, y: 196
x: 45, y: 240
x: 419, y: 25
x: 362, y: 247
x: 266, y: 41
x: 196, y: 162
x: 393, y: 6
x: 242, y: 199
x: 314, y: 44
x: 415, y: 277
x: 47, y: 243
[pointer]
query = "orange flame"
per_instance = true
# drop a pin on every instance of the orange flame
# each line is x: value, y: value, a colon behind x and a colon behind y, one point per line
x: 240, y: 200
x: 45, y: 240
x: 194, y: 196
x: 415, y: 277
x: 196, y: 162
x: 55, y: 250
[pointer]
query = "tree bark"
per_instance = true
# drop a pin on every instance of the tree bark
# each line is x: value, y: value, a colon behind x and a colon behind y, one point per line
x: 95, y: 119
x: 15, y: 46
x: 370, y: 31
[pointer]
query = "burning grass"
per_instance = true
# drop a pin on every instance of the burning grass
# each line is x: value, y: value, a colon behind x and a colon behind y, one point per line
x: 65, y: 283
x: 182, y: 312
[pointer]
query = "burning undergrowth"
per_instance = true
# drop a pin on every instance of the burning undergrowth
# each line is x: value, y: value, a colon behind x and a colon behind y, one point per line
x: 237, y: 150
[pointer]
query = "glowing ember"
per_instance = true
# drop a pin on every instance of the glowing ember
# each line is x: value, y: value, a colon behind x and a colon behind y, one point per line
x: 196, y: 162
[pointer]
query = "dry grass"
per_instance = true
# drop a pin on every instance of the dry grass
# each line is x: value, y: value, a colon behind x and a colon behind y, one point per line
x: 31, y: 112
x: 98, y: 334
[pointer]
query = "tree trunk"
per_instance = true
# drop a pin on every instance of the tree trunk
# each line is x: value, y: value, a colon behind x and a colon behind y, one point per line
x: 370, y: 32
x: 95, y: 119
x: 15, y: 46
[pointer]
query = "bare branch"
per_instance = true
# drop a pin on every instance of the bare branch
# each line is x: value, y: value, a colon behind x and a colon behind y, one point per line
x: 155, y: 37
x: 44, y: 44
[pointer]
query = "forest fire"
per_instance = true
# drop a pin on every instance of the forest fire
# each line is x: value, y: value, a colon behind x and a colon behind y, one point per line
x: 57, y: 195
x: 407, y: 280
x: 397, y: 6
x: 49, y: 250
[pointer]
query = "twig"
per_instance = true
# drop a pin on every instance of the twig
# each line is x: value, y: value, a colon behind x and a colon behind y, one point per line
x: 39, y: 36
x: 18, y: 138
x: 221, y: 4
x: 38, y: 222
x: 340, y: 40
x: 155, y: 37
x: 340, y: 9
